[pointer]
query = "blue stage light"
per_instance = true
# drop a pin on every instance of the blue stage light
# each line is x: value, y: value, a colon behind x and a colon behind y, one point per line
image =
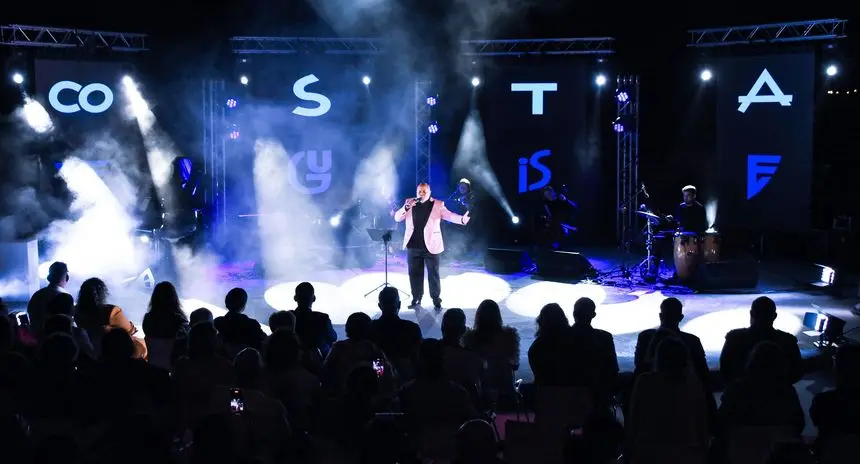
x: 622, y: 96
x: 232, y: 103
x: 433, y: 127
x: 431, y: 101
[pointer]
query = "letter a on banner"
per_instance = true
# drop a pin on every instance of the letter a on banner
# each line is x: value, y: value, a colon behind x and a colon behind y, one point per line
x: 754, y: 97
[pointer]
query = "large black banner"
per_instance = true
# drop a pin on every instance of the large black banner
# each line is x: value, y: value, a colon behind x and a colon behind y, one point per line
x: 764, y: 128
x: 533, y: 115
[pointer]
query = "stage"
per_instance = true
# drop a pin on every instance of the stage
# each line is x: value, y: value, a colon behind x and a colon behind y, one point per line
x: 622, y: 310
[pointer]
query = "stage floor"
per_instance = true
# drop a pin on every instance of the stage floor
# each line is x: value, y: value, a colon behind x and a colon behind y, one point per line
x: 622, y: 310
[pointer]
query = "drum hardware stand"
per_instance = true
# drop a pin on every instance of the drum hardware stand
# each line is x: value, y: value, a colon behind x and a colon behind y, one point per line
x: 646, y: 267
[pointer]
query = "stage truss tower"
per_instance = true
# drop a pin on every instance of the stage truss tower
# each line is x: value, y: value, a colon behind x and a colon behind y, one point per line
x: 626, y: 127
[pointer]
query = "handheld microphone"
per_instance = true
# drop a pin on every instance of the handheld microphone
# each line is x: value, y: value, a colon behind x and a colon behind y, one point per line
x: 645, y: 192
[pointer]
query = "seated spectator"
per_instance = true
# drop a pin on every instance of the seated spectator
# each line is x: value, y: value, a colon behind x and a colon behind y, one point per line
x: 288, y: 381
x: 282, y: 320
x: 237, y: 330
x: 763, y: 397
x: 463, y: 367
x: 165, y: 319
x: 357, y: 350
x: 499, y: 346
x: 594, y: 346
x: 126, y: 386
x: 96, y: 316
x: 396, y: 337
x: 430, y: 399
x: 14, y: 372
x: 740, y: 343
x: 313, y: 328
x: 57, y: 389
x: 667, y: 407
x: 344, y: 418
x: 837, y: 412
x: 37, y: 307
x: 196, y: 375
x: 180, y: 346
x: 64, y: 305
x: 476, y: 444
x: 549, y: 355
x: 200, y: 316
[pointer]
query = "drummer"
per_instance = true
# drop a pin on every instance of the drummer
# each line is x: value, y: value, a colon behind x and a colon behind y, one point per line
x: 691, y: 214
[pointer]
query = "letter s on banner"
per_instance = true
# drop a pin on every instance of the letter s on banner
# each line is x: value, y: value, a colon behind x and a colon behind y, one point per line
x: 83, y: 102
x: 534, y: 162
x: 300, y: 92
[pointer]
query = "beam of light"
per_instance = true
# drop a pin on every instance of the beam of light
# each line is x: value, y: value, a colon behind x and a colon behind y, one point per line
x: 376, y: 177
x: 288, y: 237
x: 711, y: 212
x: 476, y: 82
x: 100, y: 241
x: 711, y: 328
x: 471, y: 157
x: 35, y: 115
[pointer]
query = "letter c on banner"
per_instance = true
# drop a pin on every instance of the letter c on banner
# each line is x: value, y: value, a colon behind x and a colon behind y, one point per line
x: 84, y: 93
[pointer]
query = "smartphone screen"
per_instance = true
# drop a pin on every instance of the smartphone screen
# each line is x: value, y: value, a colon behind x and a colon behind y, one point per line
x: 237, y: 401
x: 23, y: 319
x: 379, y: 367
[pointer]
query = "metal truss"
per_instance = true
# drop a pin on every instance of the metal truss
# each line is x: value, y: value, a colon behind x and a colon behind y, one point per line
x: 580, y: 46
x: 627, y: 149
x: 822, y: 29
x: 17, y: 35
x: 214, y: 148
x: 294, y: 45
x: 423, y: 137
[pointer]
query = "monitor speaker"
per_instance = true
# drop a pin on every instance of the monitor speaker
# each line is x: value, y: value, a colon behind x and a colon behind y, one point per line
x: 505, y: 260
x: 566, y: 265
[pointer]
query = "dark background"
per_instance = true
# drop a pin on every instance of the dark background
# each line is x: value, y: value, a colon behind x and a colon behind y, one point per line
x: 766, y: 128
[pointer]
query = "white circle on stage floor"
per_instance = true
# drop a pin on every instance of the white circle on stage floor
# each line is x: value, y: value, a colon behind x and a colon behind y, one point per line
x: 362, y: 290
x: 712, y: 328
x: 632, y: 316
x: 330, y: 300
x: 529, y: 300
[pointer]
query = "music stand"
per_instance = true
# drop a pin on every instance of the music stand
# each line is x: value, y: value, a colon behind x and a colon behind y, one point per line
x: 384, y: 236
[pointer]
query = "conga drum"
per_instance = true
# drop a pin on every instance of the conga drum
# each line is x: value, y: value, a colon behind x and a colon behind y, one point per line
x: 712, y: 247
x: 686, y: 246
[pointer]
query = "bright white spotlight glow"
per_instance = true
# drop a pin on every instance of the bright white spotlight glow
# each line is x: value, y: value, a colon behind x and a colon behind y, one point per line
x: 36, y: 117
x: 243, y: 80
x: 476, y: 82
x: 832, y: 70
x: 706, y: 75
x: 528, y: 300
x: 711, y: 213
x: 329, y: 300
x: 43, y: 270
x: 600, y: 80
x: 127, y: 80
x: 711, y: 328
x: 144, y: 239
x: 515, y: 219
x: 365, y: 80
x: 354, y: 290
x: 334, y: 221
x: 18, y: 78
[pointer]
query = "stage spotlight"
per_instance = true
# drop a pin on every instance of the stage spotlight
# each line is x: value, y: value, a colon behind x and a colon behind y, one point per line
x: 706, y: 75
x: 143, y: 238
x: 433, y: 127
x: 431, y: 101
x: 476, y: 82
x: 515, y: 220
x: 232, y: 103
x: 831, y: 70
x: 622, y: 96
x: 827, y: 277
x: 618, y: 125
x: 334, y: 221
x: 600, y: 80
x: 234, y: 132
x: 127, y: 81
x: 18, y: 78
x: 243, y: 80
x: 365, y: 80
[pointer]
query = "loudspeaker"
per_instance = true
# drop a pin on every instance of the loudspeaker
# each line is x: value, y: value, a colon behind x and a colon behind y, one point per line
x: 566, y: 265
x: 729, y: 275
x: 505, y: 260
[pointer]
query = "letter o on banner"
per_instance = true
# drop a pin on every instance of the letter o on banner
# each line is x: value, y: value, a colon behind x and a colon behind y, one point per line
x: 84, y: 98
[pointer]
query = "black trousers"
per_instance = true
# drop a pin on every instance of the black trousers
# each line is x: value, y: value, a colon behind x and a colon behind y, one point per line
x: 417, y: 261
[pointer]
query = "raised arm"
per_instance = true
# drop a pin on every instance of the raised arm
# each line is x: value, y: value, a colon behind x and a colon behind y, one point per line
x: 454, y: 218
x: 400, y: 214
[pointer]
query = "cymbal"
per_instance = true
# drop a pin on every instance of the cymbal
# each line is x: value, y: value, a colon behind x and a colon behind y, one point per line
x: 648, y: 214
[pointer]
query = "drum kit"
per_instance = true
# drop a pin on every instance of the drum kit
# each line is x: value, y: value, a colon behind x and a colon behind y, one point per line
x: 690, y: 251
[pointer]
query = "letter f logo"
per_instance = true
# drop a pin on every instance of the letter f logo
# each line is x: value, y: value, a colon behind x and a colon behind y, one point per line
x: 760, y: 170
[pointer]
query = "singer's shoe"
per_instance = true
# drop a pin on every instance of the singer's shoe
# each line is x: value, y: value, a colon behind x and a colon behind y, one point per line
x: 437, y: 304
x: 415, y: 304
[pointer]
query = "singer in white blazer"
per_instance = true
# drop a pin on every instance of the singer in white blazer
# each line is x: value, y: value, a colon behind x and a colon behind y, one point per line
x: 423, y: 241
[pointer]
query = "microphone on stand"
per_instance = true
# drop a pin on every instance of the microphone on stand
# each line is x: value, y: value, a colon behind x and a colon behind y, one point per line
x: 645, y: 192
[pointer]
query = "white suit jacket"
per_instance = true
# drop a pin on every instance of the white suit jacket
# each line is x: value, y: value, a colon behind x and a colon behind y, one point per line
x: 433, y: 229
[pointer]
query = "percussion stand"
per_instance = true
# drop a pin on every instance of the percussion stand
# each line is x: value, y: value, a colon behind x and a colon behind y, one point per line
x: 647, y: 264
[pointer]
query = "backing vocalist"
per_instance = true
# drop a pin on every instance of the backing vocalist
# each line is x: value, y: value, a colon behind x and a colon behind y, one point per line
x: 423, y: 241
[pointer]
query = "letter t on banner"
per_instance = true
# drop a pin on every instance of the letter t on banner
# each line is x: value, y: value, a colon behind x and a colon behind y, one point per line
x: 537, y: 90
